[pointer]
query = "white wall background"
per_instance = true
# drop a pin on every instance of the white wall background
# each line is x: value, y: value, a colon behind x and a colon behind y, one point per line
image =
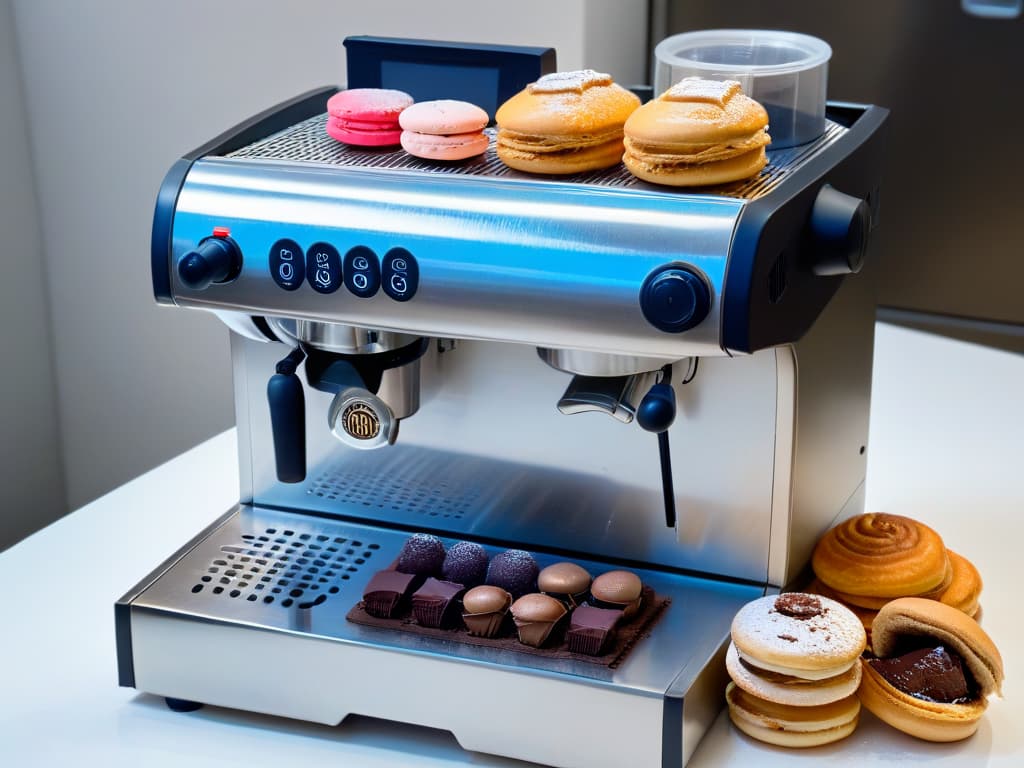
x: 115, y: 91
x: 31, y: 477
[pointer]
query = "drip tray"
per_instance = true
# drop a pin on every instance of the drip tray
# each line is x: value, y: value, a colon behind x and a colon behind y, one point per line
x: 284, y: 572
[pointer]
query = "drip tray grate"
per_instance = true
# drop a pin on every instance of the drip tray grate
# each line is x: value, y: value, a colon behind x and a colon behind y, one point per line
x: 308, y: 142
x: 285, y: 568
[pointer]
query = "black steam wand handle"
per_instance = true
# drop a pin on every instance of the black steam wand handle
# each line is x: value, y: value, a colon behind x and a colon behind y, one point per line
x: 655, y: 414
x: 288, y: 419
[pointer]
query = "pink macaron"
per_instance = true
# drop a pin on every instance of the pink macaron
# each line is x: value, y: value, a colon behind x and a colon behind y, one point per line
x: 444, y: 130
x: 367, y: 117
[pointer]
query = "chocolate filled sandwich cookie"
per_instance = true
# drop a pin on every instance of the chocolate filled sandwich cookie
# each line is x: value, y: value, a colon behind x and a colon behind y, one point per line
x: 794, y: 662
x: 932, y: 672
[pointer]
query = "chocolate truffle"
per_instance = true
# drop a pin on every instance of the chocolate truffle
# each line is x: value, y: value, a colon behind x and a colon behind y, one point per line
x: 422, y: 554
x: 567, y: 582
x: 386, y: 592
x: 536, y: 618
x: 465, y: 563
x: 591, y: 629
x: 513, y: 570
x: 618, y: 589
x: 484, y: 610
x: 435, y: 604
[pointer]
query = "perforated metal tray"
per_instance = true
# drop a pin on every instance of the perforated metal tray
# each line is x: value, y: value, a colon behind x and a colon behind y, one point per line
x: 308, y: 142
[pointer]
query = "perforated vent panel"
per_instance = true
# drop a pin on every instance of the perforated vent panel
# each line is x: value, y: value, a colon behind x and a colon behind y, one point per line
x: 285, y: 568
x: 374, y: 492
x: 308, y: 142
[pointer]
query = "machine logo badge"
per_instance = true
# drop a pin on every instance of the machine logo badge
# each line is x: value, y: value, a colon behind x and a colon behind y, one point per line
x: 361, y: 421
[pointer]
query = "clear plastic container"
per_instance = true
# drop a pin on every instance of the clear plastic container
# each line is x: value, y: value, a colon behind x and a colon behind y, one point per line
x: 786, y: 71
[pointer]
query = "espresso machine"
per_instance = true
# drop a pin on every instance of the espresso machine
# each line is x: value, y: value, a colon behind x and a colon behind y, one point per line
x: 590, y: 368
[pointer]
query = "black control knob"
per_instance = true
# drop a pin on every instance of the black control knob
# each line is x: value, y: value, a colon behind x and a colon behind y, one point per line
x: 215, y: 260
x: 839, y: 227
x: 675, y: 298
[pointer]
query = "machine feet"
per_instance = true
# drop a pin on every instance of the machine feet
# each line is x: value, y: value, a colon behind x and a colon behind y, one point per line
x: 182, y: 705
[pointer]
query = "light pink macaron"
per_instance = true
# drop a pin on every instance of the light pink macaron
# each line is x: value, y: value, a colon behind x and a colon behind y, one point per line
x: 444, y: 130
x: 367, y: 117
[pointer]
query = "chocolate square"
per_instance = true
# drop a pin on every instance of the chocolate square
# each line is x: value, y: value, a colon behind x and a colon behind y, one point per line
x: 435, y: 604
x: 591, y: 628
x: 386, y: 591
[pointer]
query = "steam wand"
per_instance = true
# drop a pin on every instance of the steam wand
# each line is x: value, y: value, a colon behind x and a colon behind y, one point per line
x: 656, y: 413
x: 288, y: 419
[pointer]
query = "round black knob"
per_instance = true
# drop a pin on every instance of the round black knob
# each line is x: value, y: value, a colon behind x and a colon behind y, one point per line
x: 657, y: 410
x: 215, y: 260
x: 839, y: 226
x: 675, y: 298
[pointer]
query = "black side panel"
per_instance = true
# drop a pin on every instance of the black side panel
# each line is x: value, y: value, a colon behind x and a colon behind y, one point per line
x: 123, y: 637
x: 771, y: 296
x: 260, y: 126
x: 672, y: 731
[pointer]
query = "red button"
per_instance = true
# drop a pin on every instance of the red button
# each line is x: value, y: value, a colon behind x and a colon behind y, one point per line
x: 221, y: 231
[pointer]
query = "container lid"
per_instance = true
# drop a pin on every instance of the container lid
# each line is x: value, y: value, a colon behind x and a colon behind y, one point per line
x: 743, y: 51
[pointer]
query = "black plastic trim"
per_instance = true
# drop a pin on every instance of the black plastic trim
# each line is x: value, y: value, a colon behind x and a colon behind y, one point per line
x: 123, y: 638
x: 259, y: 126
x: 776, y: 224
x: 672, y: 731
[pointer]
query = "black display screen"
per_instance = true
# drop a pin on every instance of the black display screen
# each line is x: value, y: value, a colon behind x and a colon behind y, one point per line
x: 426, y: 82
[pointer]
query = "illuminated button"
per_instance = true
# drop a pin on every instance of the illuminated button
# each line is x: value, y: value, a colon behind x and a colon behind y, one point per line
x: 400, y: 274
x: 362, y: 272
x: 323, y: 268
x: 287, y: 264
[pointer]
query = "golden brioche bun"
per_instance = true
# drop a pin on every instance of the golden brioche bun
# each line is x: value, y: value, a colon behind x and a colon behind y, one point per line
x: 918, y: 617
x: 700, y: 175
x: 965, y: 585
x: 697, y: 133
x: 696, y: 112
x: 789, y: 726
x: 566, y: 122
x: 877, y: 556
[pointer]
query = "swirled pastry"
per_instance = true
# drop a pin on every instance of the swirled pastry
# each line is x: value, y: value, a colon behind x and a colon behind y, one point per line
x: 881, y: 556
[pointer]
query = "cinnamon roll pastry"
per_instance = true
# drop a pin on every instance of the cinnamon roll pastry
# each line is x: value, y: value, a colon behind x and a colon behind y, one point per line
x: 875, y: 557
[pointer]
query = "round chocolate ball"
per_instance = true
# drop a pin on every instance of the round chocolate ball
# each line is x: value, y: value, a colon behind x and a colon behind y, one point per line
x: 465, y: 564
x: 421, y: 555
x: 515, y: 571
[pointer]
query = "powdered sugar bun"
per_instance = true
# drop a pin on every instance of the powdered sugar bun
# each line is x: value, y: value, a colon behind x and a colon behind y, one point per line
x: 798, y: 634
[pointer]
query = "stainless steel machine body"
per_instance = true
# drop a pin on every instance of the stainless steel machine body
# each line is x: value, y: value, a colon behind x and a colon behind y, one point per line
x: 767, y: 447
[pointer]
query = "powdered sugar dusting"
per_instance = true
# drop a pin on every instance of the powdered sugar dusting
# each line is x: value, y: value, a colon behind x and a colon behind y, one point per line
x: 570, y: 82
x: 717, y: 92
x: 833, y: 634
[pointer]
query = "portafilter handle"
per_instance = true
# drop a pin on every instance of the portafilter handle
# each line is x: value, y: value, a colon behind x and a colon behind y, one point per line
x: 288, y: 419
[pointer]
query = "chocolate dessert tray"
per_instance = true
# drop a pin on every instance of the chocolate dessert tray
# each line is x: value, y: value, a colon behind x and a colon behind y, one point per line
x: 298, y: 575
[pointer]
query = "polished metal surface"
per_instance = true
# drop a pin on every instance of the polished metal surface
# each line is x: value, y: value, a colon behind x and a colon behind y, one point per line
x: 598, y: 363
x: 489, y: 455
x: 277, y: 571
x: 308, y: 142
x: 362, y: 420
x: 349, y: 339
x: 618, y: 396
x: 546, y: 263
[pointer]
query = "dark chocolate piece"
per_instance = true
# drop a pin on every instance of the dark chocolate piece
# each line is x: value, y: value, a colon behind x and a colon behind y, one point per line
x: 435, y: 604
x: 385, y: 592
x: 421, y: 554
x: 932, y: 674
x: 590, y: 629
x: 465, y: 563
x: 515, y: 571
x: 797, y: 605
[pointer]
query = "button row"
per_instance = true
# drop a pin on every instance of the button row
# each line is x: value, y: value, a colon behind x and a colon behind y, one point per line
x: 325, y: 270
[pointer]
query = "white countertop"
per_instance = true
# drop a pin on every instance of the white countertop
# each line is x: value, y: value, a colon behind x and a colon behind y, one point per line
x: 947, y: 447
